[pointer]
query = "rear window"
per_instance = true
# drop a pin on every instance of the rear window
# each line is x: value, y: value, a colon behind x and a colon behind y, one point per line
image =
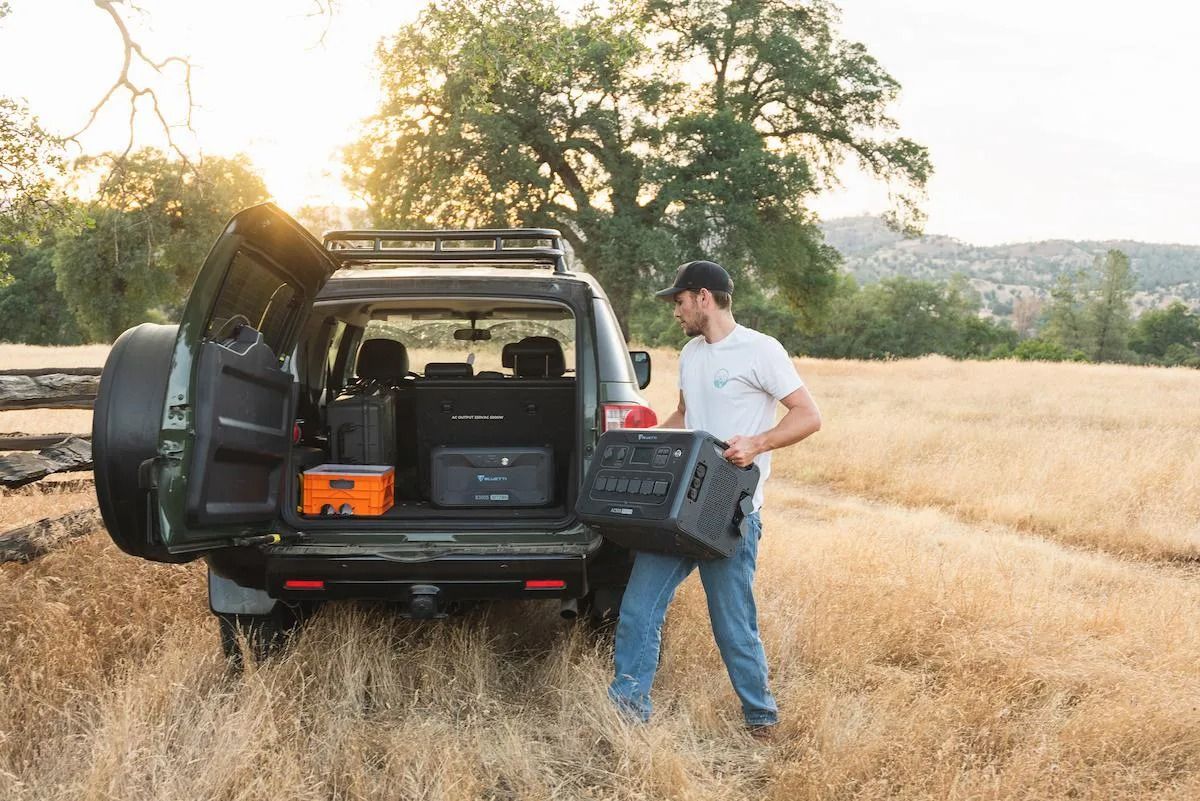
x: 433, y: 340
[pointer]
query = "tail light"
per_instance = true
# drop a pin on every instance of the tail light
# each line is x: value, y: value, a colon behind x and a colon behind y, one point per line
x: 545, y: 584
x: 628, y: 415
x: 304, y: 584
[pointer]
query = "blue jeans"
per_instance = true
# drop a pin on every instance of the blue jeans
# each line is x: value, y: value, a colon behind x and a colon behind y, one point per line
x: 728, y: 586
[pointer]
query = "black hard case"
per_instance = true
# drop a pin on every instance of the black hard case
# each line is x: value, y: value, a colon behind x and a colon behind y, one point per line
x: 492, y: 477
x: 704, y: 523
x: 362, y: 426
x: 495, y: 414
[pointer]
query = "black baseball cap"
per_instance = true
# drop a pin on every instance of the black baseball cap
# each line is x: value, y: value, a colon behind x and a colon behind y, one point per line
x: 698, y: 275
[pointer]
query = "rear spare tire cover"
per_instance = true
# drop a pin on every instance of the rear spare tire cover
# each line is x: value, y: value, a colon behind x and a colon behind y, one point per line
x: 125, y: 427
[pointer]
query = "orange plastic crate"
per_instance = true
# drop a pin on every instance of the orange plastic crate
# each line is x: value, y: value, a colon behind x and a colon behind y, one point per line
x: 355, y: 489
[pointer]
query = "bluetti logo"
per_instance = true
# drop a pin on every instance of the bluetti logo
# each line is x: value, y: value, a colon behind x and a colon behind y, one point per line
x: 481, y: 478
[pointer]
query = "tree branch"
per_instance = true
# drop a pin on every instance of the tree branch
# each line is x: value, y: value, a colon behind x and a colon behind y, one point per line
x: 133, y: 49
x: 553, y: 157
x: 325, y: 9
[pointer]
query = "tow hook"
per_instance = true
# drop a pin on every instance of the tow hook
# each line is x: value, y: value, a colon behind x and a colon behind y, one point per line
x: 423, y: 602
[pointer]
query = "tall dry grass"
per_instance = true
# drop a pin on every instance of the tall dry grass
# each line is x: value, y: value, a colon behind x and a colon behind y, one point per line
x: 1102, y: 456
x: 36, y: 501
x: 914, y: 656
x: 922, y: 645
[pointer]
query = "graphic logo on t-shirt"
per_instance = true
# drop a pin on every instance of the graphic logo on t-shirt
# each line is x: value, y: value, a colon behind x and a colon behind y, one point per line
x: 721, y: 378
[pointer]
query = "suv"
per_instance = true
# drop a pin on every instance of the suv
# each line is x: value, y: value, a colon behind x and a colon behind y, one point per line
x: 203, y: 430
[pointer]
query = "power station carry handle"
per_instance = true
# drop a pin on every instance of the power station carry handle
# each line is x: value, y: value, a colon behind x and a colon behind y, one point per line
x: 723, y: 446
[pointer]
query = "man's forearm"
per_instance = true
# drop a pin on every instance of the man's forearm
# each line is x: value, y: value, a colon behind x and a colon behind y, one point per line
x: 797, y: 424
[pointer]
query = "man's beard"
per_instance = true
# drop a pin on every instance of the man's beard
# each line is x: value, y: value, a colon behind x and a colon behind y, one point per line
x: 693, y: 329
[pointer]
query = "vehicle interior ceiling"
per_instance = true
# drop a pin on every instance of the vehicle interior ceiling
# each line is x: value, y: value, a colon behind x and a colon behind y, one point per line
x: 429, y: 386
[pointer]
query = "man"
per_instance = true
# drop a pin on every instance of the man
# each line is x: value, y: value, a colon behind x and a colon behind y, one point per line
x: 730, y: 380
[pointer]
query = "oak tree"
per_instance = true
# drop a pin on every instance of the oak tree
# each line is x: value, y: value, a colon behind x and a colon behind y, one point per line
x: 150, y: 228
x: 650, y: 132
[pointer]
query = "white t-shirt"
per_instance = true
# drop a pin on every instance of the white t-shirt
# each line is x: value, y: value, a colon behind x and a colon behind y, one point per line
x: 734, y: 386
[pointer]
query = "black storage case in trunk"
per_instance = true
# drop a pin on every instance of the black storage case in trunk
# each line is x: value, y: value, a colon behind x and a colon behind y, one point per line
x: 492, y: 477
x: 474, y: 413
x: 362, y: 426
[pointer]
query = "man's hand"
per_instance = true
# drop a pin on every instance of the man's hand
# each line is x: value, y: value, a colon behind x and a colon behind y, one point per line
x: 742, y: 450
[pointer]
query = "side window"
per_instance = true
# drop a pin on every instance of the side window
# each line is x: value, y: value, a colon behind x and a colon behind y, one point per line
x: 343, y: 355
x: 335, y: 344
x: 255, y: 291
x: 612, y: 351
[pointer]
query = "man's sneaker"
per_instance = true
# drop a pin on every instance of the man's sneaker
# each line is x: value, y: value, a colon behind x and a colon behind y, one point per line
x: 763, y: 732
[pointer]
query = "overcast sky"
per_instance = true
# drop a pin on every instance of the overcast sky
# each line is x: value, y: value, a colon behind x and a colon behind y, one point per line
x: 1045, y: 119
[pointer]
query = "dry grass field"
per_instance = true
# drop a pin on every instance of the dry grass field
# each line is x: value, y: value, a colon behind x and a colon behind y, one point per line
x: 976, y: 583
x: 1103, y: 456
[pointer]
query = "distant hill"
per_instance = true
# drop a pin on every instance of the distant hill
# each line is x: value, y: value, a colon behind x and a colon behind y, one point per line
x: 1003, y: 273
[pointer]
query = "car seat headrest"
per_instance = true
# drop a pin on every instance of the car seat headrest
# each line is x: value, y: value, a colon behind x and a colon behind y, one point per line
x: 382, y: 360
x: 449, y: 370
x: 534, y: 357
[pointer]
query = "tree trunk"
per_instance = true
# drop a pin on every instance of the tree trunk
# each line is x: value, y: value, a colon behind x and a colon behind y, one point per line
x: 620, y: 296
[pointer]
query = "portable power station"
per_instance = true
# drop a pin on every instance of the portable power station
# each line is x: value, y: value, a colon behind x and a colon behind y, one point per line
x: 667, y: 490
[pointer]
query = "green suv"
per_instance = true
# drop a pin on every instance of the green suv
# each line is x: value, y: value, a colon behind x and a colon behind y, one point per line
x: 203, y: 431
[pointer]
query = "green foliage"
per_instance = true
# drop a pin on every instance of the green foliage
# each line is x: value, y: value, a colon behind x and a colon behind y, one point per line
x: 905, y: 317
x: 1167, y: 336
x: 1066, y: 314
x: 897, y: 318
x: 149, y: 230
x: 1108, y: 312
x: 30, y: 164
x: 1180, y: 355
x: 109, y: 275
x: 1044, y: 350
x: 652, y: 320
x: 508, y: 112
x: 1090, y: 311
x: 31, y: 309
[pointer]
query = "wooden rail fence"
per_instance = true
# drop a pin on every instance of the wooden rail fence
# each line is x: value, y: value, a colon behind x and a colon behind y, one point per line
x: 28, y: 458
x: 49, y: 388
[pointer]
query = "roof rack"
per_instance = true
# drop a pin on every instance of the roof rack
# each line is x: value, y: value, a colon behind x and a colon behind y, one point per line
x: 473, y: 244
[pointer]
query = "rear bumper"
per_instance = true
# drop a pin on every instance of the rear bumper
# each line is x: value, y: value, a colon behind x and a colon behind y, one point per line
x: 455, y: 578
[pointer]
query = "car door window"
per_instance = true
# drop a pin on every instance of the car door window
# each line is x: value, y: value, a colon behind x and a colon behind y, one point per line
x: 254, y: 290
